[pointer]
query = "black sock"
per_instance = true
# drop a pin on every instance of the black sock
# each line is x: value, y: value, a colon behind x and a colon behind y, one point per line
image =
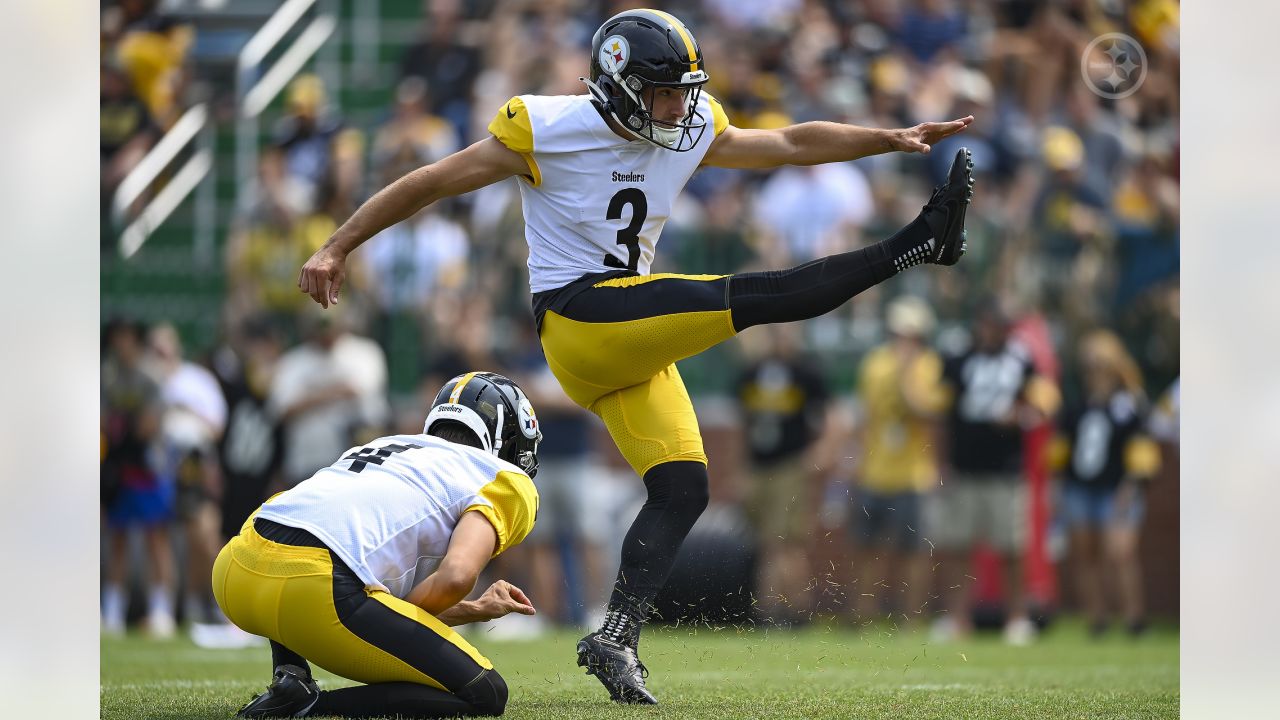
x: 911, y: 245
x: 677, y: 496
x: 818, y: 287
x: 281, y: 655
x: 486, y: 695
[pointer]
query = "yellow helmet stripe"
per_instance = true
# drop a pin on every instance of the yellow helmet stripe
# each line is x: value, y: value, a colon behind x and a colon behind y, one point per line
x: 684, y: 35
x: 457, y: 389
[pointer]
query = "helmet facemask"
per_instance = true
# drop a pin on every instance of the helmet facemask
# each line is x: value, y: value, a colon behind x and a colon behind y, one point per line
x: 627, y: 105
x: 521, y: 449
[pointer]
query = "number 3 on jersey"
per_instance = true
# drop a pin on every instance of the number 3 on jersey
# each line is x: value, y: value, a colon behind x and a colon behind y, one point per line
x: 628, y: 236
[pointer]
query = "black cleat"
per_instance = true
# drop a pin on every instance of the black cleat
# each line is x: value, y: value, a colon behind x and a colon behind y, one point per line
x: 945, y: 210
x: 617, y: 667
x: 291, y: 694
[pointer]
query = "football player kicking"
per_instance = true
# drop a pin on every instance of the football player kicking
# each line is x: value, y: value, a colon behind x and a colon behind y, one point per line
x: 363, y: 568
x: 600, y: 173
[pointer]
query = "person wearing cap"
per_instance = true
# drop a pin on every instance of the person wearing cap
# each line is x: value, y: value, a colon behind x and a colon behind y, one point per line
x: 315, y: 160
x: 1070, y: 226
x: 899, y: 384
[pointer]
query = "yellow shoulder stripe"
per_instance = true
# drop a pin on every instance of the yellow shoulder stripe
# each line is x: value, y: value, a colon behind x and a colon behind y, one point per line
x: 512, y: 507
x: 512, y: 127
x: 718, y: 117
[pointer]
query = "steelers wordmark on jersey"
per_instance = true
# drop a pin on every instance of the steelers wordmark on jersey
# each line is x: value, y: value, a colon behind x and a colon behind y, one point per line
x: 592, y: 200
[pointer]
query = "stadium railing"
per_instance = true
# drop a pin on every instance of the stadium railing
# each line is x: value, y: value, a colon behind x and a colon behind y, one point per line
x: 255, y: 92
x: 194, y: 125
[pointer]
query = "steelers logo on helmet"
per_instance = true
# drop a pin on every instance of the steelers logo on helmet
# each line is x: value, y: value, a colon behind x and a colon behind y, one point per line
x: 528, y: 420
x: 614, y: 54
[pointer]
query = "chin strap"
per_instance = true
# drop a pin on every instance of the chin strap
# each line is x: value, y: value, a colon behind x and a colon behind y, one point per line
x: 599, y: 95
x: 605, y: 104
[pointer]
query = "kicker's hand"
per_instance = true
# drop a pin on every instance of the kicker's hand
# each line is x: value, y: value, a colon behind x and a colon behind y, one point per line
x: 502, y: 598
x: 922, y: 137
x: 322, y: 275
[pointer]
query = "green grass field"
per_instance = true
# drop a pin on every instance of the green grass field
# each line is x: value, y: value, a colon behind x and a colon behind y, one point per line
x: 728, y: 674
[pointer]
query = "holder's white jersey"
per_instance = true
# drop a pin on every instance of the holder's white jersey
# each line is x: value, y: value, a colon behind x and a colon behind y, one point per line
x: 593, y: 201
x: 388, y: 508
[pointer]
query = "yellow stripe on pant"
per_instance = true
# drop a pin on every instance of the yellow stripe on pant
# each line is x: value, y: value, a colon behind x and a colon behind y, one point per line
x: 625, y: 372
x: 285, y: 593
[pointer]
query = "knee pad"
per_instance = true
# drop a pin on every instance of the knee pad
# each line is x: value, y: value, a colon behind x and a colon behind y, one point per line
x: 487, y: 693
x: 681, y: 486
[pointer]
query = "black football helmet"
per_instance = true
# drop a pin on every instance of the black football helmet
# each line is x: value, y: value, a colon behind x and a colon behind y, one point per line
x: 497, y: 411
x: 632, y: 54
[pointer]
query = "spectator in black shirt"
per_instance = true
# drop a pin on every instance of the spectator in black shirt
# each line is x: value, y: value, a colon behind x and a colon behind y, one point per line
x: 1108, y: 460
x: 252, y: 447
x: 134, y: 496
x: 449, y: 66
x: 783, y: 400
x: 313, y: 163
x: 126, y: 130
x: 995, y: 393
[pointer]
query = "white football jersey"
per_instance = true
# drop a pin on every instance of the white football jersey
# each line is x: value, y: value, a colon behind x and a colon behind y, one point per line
x: 593, y: 202
x: 388, y: 508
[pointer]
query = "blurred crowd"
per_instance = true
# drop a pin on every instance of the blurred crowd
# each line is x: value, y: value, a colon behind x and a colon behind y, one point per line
x: 931, y: 396
x: 143, y: 81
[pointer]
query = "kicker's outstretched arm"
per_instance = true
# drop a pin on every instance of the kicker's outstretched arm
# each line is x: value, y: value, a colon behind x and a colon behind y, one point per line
x: 483, y: 163
x: 813, y: 143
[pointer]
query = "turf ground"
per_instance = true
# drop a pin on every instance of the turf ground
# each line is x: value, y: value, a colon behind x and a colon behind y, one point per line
x: 728, y: 674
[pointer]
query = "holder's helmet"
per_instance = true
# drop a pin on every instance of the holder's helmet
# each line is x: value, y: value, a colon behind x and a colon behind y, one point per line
x: 496, y: 410
x: 635, y: 53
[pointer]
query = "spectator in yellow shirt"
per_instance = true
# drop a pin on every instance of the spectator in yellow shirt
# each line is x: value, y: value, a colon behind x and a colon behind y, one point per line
x: 899, y: 385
